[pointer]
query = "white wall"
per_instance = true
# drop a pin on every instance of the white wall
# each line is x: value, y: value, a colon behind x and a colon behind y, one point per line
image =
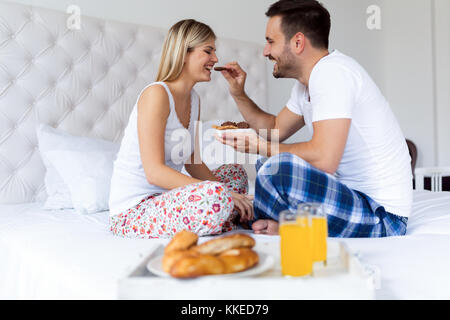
x: 408, y: 72
x: 442, y: 67
x: 407, y: 58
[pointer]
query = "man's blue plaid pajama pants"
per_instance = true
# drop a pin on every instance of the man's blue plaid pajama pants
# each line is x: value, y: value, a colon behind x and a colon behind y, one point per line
x: 285, y: 180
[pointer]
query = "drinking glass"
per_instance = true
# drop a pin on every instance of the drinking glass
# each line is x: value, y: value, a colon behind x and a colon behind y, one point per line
x: 296, y: 243
x: 319, y: 229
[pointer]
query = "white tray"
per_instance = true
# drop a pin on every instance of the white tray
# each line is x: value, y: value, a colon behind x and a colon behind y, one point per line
x: 344, y: 277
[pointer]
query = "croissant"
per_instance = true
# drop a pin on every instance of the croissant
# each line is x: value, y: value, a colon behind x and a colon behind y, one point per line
x: 182, y: 240
x: 171, y: 257
x: 228, y: 254
x: 216, y: 246
x: 202, y: 265
x: 240, y: 259
x: 230, y: 261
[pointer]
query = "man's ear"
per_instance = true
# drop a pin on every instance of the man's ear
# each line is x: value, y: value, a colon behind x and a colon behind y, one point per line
x: 298, y: 42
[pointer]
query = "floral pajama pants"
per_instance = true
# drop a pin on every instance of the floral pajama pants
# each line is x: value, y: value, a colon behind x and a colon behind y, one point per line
x: 205, y: 208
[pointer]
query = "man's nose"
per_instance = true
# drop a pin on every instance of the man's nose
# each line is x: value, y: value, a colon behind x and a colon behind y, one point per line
x: 266, y: 51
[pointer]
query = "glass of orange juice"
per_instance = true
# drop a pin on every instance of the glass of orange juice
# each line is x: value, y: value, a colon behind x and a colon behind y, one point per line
x: 319, y: 229
x: 296, y: 244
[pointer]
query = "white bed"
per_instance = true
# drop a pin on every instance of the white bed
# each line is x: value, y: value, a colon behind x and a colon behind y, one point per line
x: 85, y: 82
x: 65, y: 255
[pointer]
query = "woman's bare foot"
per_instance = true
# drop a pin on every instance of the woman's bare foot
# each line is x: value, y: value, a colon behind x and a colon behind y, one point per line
x: 265, y: 226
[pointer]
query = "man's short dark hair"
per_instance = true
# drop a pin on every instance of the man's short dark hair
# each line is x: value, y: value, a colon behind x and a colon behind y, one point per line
x: 307, y: 16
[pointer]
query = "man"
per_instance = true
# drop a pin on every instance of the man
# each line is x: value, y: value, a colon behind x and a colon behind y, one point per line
x: 356, y: 164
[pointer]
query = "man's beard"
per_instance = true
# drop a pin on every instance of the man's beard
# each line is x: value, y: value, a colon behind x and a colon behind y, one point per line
x: 285, y: 65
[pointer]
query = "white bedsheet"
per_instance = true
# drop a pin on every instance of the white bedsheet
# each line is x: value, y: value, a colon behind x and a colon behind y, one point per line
x: 410, y: 267
x: 63, y: 255
x: 416, y: 266
x: 430, y: 213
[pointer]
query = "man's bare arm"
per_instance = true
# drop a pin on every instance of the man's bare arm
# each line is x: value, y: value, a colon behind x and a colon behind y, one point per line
x: 286, y: 122
x: 255, y: 116
x: 324, y: 151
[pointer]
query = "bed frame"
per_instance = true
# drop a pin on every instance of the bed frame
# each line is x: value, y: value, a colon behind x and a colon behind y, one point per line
x: 432, y: 178
x: 86, y: 82
x: 435, y: 179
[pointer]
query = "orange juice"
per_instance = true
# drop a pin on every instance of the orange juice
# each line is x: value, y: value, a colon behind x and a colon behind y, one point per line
x: 320, y: 233
x: 296, y: 247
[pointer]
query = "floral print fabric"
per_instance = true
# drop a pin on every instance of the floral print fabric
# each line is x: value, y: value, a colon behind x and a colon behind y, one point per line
x: 205, y: 208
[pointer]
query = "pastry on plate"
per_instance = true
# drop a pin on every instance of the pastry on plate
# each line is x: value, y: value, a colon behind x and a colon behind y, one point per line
x: 183, y: 258
x: 232, y: 125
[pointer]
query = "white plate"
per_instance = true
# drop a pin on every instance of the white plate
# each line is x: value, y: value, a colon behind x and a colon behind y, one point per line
x: 238, y: 131
x: 265, y: 263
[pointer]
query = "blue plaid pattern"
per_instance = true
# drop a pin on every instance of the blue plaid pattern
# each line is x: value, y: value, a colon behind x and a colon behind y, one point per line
x: 285, y: 180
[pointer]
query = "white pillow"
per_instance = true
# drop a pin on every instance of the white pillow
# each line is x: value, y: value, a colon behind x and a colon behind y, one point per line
x: 79, y: 170
x: 58, y: 194
x: 88, y: 176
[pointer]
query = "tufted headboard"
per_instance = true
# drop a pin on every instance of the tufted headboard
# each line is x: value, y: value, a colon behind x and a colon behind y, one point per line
x: 86, y: 82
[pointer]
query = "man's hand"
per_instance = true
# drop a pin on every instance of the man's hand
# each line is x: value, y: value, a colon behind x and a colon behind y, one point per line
x: 256, y: 118
x: 236, y: 78
x: 246, y: 142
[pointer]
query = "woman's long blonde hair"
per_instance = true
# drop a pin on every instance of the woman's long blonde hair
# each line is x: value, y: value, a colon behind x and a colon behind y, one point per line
x: 182, y: 38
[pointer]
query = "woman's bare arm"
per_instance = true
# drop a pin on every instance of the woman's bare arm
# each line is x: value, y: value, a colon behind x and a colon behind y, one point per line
x: 153, y: 112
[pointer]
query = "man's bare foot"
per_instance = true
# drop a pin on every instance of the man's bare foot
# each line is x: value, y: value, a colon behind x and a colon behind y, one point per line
x: 265, y: 226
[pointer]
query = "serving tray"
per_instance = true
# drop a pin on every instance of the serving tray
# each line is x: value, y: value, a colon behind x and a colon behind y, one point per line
x: 343, y: 277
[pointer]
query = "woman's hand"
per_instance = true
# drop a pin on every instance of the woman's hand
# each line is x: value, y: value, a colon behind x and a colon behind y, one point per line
x: 244, y: 205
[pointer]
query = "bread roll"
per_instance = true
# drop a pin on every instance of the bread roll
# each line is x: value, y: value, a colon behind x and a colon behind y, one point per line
x: 190, y: 267
x: 173, y: 256
x: 182, y: 240
x: 227, y: 254
x: 216, y: 246
x: 239, y: 259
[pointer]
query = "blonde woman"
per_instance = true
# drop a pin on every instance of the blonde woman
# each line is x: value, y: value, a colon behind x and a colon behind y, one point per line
x: 150, y: 197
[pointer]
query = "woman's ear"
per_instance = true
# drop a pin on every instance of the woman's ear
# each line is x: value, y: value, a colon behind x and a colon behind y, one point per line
x: 188, y: 52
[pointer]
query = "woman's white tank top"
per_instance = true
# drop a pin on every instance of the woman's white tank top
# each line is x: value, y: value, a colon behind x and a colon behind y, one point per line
x: 129, y: 184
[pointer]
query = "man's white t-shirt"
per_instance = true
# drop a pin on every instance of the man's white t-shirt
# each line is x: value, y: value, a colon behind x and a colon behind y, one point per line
x: 376, y: 160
